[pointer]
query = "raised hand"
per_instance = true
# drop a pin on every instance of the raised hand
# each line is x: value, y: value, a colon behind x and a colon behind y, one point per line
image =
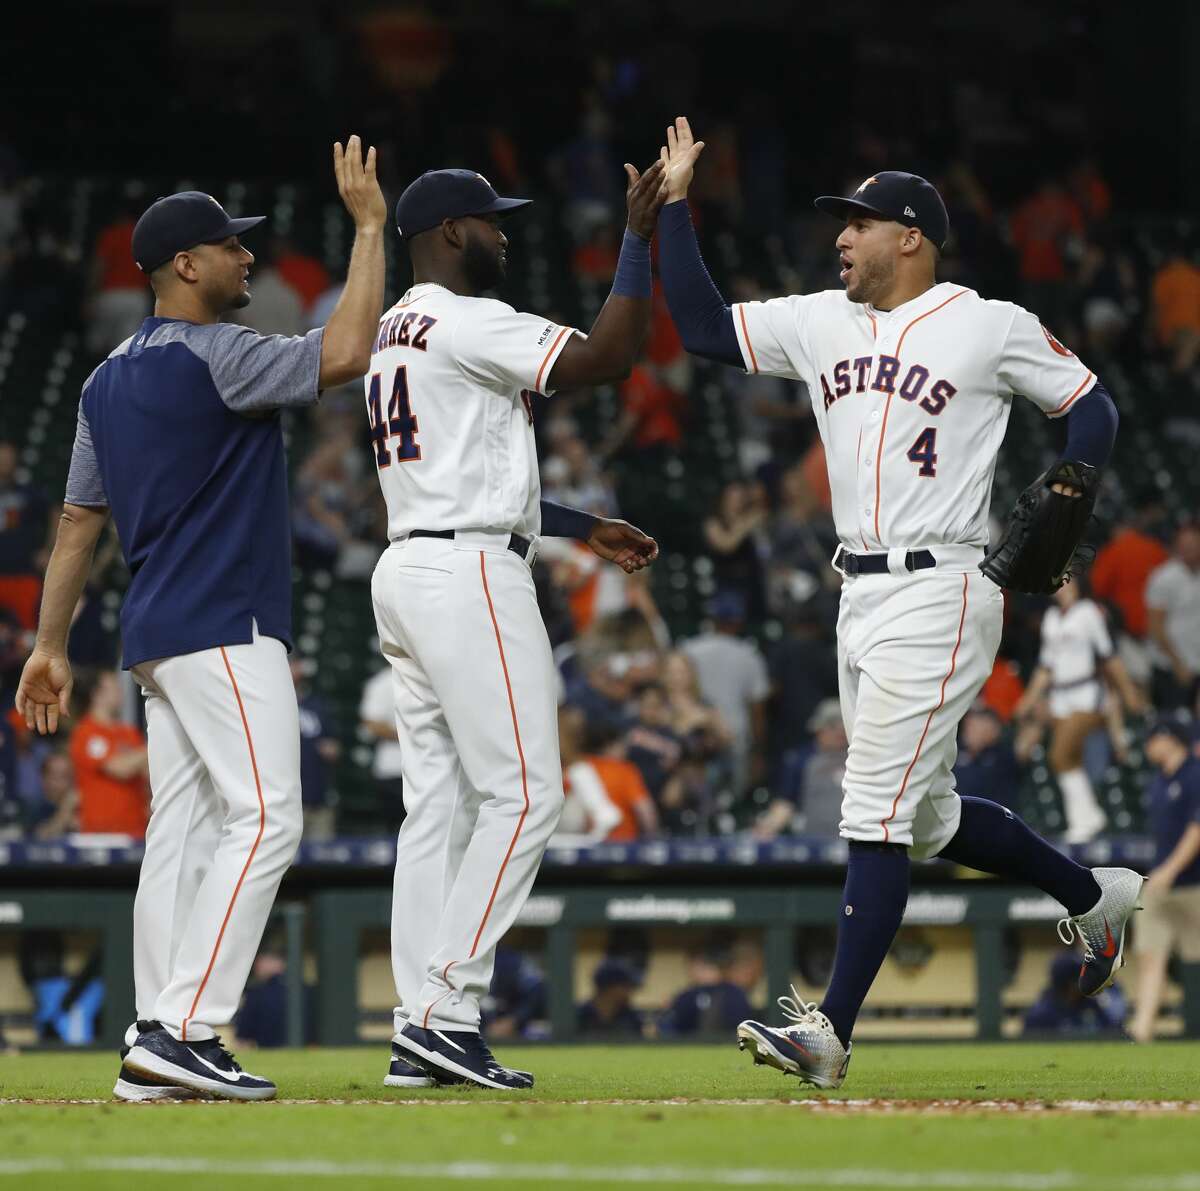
x: 618, y: 541
x: 44, y: 692
x: 358, y: 185
x: 679, y: 157
x: 644, y: 197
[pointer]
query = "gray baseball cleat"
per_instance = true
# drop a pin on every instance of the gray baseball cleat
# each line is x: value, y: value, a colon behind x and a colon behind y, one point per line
x: 808, y: 1048
x: 1102, y: 929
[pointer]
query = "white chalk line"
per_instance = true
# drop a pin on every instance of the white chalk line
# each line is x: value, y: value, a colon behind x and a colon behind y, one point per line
x: 561, y: 1172
x: 816, y: 1104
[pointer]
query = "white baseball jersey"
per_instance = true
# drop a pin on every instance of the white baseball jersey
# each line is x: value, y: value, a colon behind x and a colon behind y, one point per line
x: 911, y: 403
x: 448, y: 400
x: 473, y: 680
x: 1075, y: 643
x: 912, y: 406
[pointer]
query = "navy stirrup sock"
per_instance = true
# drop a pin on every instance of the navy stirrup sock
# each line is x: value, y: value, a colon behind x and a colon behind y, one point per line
x: 992, y: 839
x: 872, y: 905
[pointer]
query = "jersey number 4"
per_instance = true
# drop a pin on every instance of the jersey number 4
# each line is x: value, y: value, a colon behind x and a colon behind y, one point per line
x: 399, y: 423
x: 924, y: 452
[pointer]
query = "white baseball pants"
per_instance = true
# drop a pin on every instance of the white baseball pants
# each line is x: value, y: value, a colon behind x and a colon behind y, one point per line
x: 476, y: 713
x: 223, y: 734
x: 914, y: 649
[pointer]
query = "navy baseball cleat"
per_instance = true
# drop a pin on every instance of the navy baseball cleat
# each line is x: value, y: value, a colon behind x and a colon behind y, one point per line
x: 139, y: 1089
x: 199, y: 1066
x: 405, y: 1074
x: 461, y: 1053
x: 1102, y: 929
x: 809, y: 1048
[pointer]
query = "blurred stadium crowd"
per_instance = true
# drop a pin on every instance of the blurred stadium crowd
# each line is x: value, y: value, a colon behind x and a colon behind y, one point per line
x: 700, y: 700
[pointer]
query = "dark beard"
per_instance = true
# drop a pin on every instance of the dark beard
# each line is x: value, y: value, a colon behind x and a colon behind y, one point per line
x: 241, y: 301
x: 481, y: 266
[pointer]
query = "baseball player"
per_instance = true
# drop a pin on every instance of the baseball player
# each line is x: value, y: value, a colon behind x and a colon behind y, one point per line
x: 911, y: 382
x: 179, y: 439
x: 450, y: 397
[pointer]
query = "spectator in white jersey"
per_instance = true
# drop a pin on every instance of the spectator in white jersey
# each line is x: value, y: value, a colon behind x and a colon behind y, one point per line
x: 1077, y: 656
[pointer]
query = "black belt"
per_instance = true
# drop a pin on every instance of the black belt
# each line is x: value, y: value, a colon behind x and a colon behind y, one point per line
x: 877, y: 564
x: 517, y: 544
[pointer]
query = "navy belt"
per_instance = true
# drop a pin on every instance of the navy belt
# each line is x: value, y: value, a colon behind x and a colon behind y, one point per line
x: 517, y: 544
x: 877, y: 564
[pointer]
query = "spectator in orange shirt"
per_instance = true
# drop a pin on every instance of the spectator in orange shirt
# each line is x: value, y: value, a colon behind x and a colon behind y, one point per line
x: 110, y: 762
x: 596, y: 258
x: 1176, y: 291
x: 1124, y: 564
x: 623, y: 783
x: 28, y: 525
x: 1091, y: 192
x: 118, y: 293
x: 305, y: 274
x: 650, y: 418
x: 1041, y: 229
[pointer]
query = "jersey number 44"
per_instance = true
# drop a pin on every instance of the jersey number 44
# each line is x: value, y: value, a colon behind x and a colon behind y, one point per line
x: 399, y: 424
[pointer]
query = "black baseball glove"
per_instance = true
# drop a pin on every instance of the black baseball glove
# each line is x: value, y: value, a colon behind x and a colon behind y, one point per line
x: 1040, y: 549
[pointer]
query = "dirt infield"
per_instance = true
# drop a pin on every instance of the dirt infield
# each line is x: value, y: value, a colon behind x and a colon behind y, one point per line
x: 813, y: 1104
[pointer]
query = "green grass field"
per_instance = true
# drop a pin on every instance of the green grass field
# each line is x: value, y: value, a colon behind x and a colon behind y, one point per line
x: 695, y: 1117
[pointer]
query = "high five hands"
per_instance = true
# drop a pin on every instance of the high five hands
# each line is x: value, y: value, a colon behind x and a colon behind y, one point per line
x: 678, y: 156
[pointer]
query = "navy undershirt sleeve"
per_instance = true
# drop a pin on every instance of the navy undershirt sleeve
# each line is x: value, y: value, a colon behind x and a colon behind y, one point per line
x: 1092, y: 428
x: 561, y: 521
x: 704, y: 321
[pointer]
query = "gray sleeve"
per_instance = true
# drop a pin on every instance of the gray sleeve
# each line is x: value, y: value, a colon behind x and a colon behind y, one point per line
x: 255, y: 372
x: 85, y: 486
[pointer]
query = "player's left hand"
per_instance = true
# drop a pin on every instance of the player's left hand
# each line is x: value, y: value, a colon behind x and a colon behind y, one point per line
x: 44, y: 692
x: 679, y: 156
x: 617, y: 541
x: 644, y: 197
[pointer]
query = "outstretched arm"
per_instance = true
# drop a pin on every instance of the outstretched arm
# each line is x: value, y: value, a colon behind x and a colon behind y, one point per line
x: 705, y: 322
x: 610, y: 538
x: 611, y: 348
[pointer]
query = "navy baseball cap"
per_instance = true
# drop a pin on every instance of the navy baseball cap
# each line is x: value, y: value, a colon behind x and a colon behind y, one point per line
x: 181, y: 221
x: 448, y: 194
x: 1174, y: 723
x: 895, y: 195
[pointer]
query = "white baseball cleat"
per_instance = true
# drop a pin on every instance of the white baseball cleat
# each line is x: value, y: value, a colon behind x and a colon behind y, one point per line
x: 809, y: 1048
x: 1102, y: 929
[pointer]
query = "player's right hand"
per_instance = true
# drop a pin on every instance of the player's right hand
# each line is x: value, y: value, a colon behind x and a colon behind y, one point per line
x: 44, y: 693
x: 358, y: 185
x: 679, y: 157
x: 644, y: 197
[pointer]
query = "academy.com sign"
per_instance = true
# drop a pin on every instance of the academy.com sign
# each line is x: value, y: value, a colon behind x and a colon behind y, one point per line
x: 670, y: 909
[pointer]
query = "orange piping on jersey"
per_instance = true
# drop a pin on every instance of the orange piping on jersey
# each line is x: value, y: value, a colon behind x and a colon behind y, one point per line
x: 888, y: 404
x: 874, y: 329
x: 857, y: 457
x: 262, y: 823
x: 926, y: 315
x: 746, y: 336
x: 929, y: 719
x: 1071, y: 400
x: 512, y: 707
x: 537, y: 384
